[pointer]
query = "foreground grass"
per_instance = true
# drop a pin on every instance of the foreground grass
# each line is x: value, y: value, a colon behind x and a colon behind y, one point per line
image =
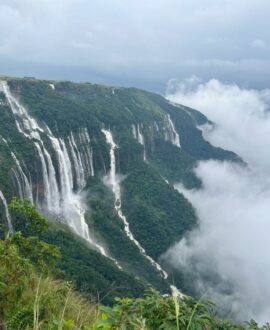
x: 34, y: 300
x: 31, y: 298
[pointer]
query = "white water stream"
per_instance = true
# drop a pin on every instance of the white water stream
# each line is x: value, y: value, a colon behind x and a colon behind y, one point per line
x: 170, y: 132
x: 114, y: 183
x: 8, y: 218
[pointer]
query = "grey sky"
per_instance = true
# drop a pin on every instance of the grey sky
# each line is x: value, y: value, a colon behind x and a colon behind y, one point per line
x: 142, y: 43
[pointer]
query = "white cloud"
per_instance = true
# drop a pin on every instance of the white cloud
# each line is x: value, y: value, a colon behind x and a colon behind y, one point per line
x: 179, y: 35
x: 233, y: 205
x: 242, y: 122
x: 258, y: 43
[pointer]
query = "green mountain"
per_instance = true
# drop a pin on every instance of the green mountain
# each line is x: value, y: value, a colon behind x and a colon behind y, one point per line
x: 101, y: 162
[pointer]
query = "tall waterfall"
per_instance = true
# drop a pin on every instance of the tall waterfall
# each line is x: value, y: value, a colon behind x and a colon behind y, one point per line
x: 170, y: 132
x: 114, y: 183
x: 29, y: 127
x: 87, y: 151
x: 59, y: 199
x: 138, y: 135
x: 10, y: 228
x: 77, y: 161
x: 26, y: 186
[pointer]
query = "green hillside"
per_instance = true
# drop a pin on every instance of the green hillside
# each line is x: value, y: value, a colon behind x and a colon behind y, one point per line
x: 158, y: 144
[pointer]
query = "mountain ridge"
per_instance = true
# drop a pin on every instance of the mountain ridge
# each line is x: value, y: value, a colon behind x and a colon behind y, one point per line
x: 54, y: 130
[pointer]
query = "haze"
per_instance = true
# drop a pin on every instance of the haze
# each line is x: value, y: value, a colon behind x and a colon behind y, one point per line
x: 138, y: 43
x: 232, y: 242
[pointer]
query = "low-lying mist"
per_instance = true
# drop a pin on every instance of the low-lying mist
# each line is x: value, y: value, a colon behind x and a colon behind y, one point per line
x: 228, y: 255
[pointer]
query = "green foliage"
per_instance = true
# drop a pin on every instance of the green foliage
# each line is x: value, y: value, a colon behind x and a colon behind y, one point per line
x: 172, y: 312
x: 175, y: 164
x: 28, y: 223
x: 157, y: 213
x: 26, y: 218
x: 44, y: 303
x: 42, y: 254
x: 91, y: 273
x: 32, y: 299
x: 14, y: 276
x: 103, y: 220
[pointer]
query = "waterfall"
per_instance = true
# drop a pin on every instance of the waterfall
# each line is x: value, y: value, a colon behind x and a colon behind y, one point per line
x: 10, y: 228
x: 156, y: 126
x: 82, y: 157
x: 66, y: 178
x: 138, y: 135
x: 26, y: 187
x: 51, y: 194
x: 87, y: 151
x: 114, y: 183
x: 72, y: 206
x: 29, y: 127
x: 18, y: 182
x: 170, y: 132
x: 134, y: 132
x: 61, y: 202
x: 77, y: 161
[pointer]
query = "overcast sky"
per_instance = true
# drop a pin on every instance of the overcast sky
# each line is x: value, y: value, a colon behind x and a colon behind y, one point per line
x: 142, y: 43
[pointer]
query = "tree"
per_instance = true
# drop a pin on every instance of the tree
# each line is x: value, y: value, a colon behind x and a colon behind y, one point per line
x: 26, y: 218
x: 29, y: 224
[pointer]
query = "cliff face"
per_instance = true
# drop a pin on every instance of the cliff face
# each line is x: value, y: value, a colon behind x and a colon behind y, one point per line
x: 101, y: 162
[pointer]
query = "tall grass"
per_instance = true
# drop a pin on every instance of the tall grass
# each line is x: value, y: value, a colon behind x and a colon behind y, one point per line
x: 51, y: 304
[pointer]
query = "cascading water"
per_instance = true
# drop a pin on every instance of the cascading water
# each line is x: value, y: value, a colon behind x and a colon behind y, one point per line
x: 51, y: 200
x: 18, y: 182
x: 134, y: 132
x: 25, y: 187
x: 170, y: 132
x: 156, y: 126
x: 114, y: 183
x: 77, y: 161
x: 138, y: 135
x: 31, y: 130
x: 62, y: 202
x: 8, y: 218
x: 87, y: 151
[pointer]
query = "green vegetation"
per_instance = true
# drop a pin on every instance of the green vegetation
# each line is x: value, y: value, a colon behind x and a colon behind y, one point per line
x: 34, y: 299
x: 91, y: 273
x: 153, y: 206
x: 103, y: 220
x: 154, y: 311
x: 174, y: 164
x: 31, y: 298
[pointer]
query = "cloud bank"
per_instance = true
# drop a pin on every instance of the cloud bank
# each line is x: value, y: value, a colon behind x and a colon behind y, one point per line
x: 227, y: 257
x: 136, y: 42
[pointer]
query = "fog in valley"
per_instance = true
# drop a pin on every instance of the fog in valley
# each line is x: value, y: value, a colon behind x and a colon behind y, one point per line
x: 233, y: 205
